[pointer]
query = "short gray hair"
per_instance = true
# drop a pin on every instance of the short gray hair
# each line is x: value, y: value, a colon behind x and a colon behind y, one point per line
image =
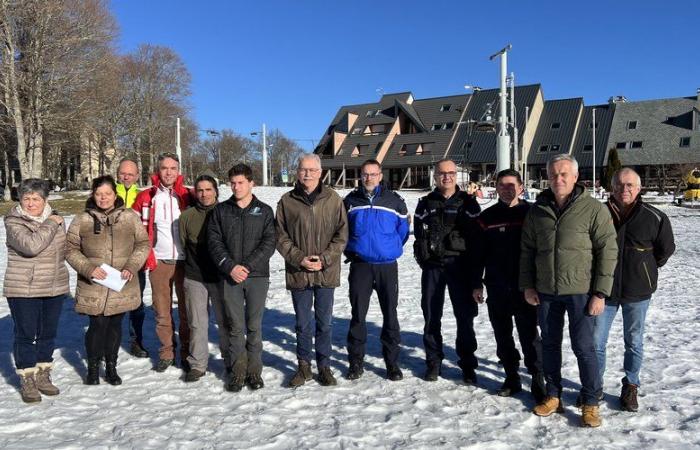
x: 305, y: 156
x: 34, y: 186
x: 563, y: 157
x: 625, y: 170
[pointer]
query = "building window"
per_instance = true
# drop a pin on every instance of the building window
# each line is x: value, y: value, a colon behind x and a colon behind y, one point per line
x: 448, y: 126
x: 632, y: 125
x: 590, y: 125
x: 436, y: 126
x: 685, y: 142
x: 621, y: 145
x: 588, y: 148
x: 369, y: 113
x: 357, y: 130
x: 636, y: 144
x: 556, y: 125
x: 555, y: 147
x: 446, y: 107
x: 543, y: 148
x: 360, y: 150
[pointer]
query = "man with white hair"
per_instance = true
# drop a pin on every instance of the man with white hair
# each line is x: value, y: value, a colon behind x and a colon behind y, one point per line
x: 645, y: 242
x: 567, y: 262
x: 312, y: 230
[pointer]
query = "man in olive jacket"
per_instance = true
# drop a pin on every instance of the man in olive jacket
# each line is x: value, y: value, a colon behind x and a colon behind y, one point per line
x: 645, y: 242
x: 312, y: 230
x: 567, y: 263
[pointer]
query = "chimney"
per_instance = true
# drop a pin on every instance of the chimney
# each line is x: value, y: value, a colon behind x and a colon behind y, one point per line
x: 617, y: 99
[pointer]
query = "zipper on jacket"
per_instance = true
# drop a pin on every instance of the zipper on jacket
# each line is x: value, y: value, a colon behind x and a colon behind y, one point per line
x: 111, y: 263
x: 646, y: 271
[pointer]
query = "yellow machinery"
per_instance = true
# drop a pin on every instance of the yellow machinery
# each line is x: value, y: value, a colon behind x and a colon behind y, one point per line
x: 692, y: 192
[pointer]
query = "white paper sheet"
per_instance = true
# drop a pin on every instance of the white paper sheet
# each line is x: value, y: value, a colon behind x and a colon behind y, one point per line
x: 114, y: 279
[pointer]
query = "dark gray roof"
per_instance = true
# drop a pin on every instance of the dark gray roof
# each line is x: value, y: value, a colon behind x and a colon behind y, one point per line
x: 660, y: 126
x: 483, y: 144
x: 584, y: 137
x: 556, y: 129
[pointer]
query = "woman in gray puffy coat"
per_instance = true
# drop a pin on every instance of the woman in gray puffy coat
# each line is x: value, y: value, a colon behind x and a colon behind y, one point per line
x: 105, y: 233
x: 36, y: 284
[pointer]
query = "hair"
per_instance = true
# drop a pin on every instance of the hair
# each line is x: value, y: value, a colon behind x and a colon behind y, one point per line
x: 562, y: 157
x: 100, y: 181
x: 371, y: 162
x: 509, y: 173
x: 128, y: 159
x: 625, y: 170
x: 437, y: 163
x: 210, y: 179
x: 170, y: 155
x: 312, y: 156
x: 34, y: 186
x: 241, y: 169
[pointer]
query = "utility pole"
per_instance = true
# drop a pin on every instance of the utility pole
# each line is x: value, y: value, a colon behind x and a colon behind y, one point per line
x: 264, y: 154
x: 514, y: 123
x: 503, y: 138
x: 593, y: 127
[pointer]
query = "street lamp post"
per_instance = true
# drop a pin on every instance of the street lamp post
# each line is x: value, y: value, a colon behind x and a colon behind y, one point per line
x: 264, y: 152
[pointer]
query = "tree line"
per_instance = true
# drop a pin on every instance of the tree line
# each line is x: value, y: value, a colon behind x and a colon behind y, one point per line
x: 71, y: 105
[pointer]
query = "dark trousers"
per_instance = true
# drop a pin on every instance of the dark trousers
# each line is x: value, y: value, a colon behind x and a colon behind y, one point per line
x: 137, y: 316
x: 581, y: 327
x: 434, y: 279
x: 244, y: 305
x: 103, y: 336
x: 506, y: 305
x: 36, y: 324
x: 309, y: 304
x: 363, y: 279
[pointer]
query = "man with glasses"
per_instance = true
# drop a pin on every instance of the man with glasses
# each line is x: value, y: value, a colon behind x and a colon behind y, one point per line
x: 378, y: 221
x: 443, y: 221
x: 160, y: 207
x: 645, y: 243
x: 312, y: 230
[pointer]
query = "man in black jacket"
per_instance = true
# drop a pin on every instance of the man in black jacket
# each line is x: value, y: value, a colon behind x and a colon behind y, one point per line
x: 497, y: 250
x: 242, y: 239
x: 442, y: 221
x: 645, y: 242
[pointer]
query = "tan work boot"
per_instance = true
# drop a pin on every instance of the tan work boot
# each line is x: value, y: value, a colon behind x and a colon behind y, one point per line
x: 549, y: 406
x: 28, y: 390
x: 302, y: 375
x: 43, y: 379
x: 589, y: 416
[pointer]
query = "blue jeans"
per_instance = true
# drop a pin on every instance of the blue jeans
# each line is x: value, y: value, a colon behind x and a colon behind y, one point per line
x: 309, y: 304
x: 633, y: 315
x: 36, y: 324
x: 138, y: 315
x: 551, y: 317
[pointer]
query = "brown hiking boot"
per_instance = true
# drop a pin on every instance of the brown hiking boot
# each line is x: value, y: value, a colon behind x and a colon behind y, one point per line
x: 28, y: 390
x: 325, y: 377
x: 589, y: 416
x: 549, y: 406
x: 628, y: 397
x: 302, y: 375
x: 43, y: 379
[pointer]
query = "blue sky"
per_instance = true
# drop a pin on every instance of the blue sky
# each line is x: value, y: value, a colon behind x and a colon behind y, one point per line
x: 292, y: 64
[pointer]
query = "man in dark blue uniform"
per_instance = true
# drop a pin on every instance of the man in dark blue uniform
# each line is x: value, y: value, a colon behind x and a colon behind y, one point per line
x: 378, y: 223
x: 442, y: 224
x: 497, y: 250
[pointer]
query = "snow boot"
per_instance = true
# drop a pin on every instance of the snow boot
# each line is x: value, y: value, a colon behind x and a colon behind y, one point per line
x: 302, y: 375
x: 93, y: 374
x: 628, y: 397
x: 28, y: 389
x: 589, y: 416
x: 111, y: 375
x: 549, y: 406
x: 511, y: 386
x: 325, y: 377
x: 43, y: 379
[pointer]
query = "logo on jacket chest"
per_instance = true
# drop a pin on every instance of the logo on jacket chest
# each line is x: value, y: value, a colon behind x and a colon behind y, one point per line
x: 255, y: 211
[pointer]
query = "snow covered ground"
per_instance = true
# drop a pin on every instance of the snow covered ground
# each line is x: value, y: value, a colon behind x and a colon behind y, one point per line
x: 152, y: 410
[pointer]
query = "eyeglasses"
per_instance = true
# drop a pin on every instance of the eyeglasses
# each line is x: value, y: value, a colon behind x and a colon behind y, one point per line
x: 371, y: 175
x: 447, y: 174
x: 625, y: 187
x: 312, y: 171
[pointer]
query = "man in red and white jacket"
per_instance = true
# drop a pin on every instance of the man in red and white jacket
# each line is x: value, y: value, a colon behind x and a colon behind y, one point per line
x: 159, y: 207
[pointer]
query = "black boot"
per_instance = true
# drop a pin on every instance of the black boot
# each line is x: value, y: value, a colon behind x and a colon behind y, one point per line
x: 111, y: 375
x: 93, y: 375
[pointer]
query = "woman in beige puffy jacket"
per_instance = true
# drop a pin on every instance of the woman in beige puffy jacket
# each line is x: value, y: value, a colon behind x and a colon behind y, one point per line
x: 36, y: 284
x: 105, y: 233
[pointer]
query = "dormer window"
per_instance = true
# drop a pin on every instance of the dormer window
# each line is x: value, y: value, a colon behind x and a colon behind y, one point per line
x: 556, y: 125
x: 632, y: 125
x: 445, y: 108
x: 684, y: 142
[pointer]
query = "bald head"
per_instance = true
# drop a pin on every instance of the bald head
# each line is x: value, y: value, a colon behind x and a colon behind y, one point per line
x: 127, y: 173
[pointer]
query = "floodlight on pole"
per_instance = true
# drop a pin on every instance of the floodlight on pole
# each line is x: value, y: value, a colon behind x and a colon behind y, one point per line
x: 503, y: 138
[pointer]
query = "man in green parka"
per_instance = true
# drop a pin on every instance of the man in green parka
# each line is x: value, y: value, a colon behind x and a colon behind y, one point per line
x: 567, y: 265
